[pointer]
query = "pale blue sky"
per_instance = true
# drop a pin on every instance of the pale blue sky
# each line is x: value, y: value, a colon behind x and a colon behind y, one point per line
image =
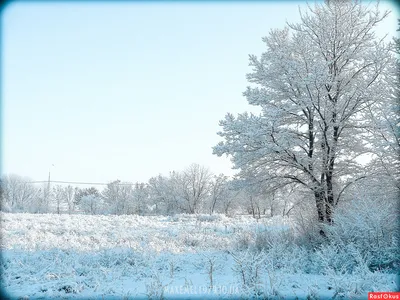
x: 127, y: 90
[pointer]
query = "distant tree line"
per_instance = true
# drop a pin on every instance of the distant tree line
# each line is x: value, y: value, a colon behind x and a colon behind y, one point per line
x: 193, y: 190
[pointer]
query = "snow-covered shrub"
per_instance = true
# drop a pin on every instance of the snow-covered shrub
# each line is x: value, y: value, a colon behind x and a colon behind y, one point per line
x: 249, y: 267
x: 283, y: 252
x: 70, y: 287
x: 348, y: 270
x: 210, y: 263
x: 245, y: 240
x: 155, y: 288
x: 338, y: 258
x: 268, y: 238
x: 190, y: 240
x: 180, y: 218
x: 257, y: 274
x: 306, y: 226
x: 371, y: 227
x: 209, y: 218
x: 281, y: 246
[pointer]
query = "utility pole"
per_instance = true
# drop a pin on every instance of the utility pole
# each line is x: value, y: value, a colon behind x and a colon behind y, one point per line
x: 48, y: 188
x: 48, y: 183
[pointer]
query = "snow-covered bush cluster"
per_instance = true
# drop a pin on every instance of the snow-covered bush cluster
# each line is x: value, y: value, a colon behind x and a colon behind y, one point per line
x: 371, y: 229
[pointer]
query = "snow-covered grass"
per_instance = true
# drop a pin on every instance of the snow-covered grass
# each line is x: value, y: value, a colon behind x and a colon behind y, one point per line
x: 179, y: 257
x: 176, y: 234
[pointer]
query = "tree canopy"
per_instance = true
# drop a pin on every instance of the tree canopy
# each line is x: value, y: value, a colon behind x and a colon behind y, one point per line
x: 317, y: 85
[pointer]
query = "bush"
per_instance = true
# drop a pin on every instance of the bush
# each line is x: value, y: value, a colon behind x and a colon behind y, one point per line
x: 270, y: 237
x: 348, y: 270
x: 369, y: 227
x: 249, y: 267
x: 245, y: 240
x: 209, y: 218
x: 306, y: 225
x: 283, y: 251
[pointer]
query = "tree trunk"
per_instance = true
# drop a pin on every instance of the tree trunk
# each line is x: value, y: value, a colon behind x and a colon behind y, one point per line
x: 320, y: 203
x: 329, y: 174
x: 213, y: 205
x: 330, y: 200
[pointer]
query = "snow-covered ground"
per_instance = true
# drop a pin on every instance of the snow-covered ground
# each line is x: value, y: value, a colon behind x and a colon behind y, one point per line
x: 131, y: 257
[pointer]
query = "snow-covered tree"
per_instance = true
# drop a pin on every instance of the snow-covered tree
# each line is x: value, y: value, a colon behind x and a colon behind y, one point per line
x: 92, y: 204
x: 194, y: 187
x: 180, y: 192
x: 384, y: 119
x: 397, y: 40
x: 79, y: 193
x: 42, y: 202
x: 118, y: 197
x: 69, y: 194
x: 230, y: 203
x: 17, y: 194
x: 58, y: 198
x: 163, y: 195
x: 139, y: 199
x: 315, y: 85
x: 62, y: 198
x: 218, y: 191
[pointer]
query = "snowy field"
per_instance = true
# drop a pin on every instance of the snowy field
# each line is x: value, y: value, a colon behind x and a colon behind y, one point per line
x: 182, y: 257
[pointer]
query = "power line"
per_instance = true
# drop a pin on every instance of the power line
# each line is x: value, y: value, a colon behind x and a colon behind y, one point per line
x: 74, y: 182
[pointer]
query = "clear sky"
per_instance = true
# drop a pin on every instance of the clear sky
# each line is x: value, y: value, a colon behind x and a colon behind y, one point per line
x: 127, y: 90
